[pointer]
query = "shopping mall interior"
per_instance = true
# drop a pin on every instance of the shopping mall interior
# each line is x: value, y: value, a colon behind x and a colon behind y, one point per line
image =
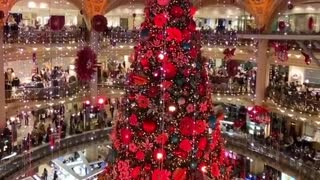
x: 160, y: 89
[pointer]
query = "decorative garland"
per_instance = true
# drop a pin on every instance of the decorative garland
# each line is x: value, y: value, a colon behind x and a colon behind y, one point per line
x: 86, y: 64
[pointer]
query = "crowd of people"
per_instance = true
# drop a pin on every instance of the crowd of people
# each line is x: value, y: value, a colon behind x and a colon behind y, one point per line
x: 293, y: 95
x: 52, y: 123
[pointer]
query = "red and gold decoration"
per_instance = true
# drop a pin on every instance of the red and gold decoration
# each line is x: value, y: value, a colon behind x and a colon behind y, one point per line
x: 228, y: 53
x: 86, y: 64
x: 163, y: 130
x: 259, y: 115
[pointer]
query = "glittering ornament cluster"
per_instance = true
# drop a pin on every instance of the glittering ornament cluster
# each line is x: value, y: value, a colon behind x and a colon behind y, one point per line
x: 166, y: 127
x: 86, y: 64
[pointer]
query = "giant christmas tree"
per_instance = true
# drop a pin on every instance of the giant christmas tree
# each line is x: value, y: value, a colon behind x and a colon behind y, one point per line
x: 166, y: 128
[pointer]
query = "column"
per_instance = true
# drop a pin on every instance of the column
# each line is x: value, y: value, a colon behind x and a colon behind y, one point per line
x: 2, y: 90
x: 256, y: 167
x: 94, y: 44
x: 262, y: 79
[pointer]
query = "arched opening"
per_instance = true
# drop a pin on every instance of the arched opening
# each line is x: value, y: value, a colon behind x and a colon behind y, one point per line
x: 224, y: 17
x: 36, y: 13
x: 302, y: 17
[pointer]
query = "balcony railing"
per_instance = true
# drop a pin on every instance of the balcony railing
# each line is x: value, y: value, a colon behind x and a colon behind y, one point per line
x: 22, y: 161
x: 32, y: 93
x: 295, y: 100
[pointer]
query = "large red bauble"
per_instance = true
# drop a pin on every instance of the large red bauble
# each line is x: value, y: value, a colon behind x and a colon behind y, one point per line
x: 126, y: 136
x: 202, y: 143
x: 144, y: 62
x: 163, y: 2
x: 99, y: 23
x: 149, y: 126
x: 170, y: 70
x: 176, y: 11
x: 160, y: 20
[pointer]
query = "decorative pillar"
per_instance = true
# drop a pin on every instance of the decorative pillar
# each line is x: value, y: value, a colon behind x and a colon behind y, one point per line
x: 94, y: 44
x: 262, y: 72
x: 2, y: 83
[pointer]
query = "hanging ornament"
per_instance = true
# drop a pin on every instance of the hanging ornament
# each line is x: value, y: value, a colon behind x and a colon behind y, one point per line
x: 56, y: 23
x: 163, y: 2
x: 290, y: 6
x: 307, y: 58
x: 259, y: 114
x: 281, y: 51
x: 170, y: 70
x: 86, y: 63
x: 99, y: 23
x: 311, y: 24
x: 228, y: 53
x: 281, y: 25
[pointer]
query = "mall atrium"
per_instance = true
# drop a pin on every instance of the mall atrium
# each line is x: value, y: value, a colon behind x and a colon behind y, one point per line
x: 160, y: 89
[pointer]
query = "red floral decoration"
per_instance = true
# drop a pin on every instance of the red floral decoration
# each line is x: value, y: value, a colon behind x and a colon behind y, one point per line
x: 179, y: 174
x: 176, y: 11
x: 86, y: 64
x: 160, y: 20
x: 185, y: 145
x: 174, y: 34
x: 187, y: 126
x: 99, y: 23
x: 161, y: 174
x: 126, y: 136
x: 163, y: 2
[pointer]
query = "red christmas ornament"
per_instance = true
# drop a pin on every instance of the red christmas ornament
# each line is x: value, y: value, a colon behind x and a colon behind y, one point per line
x: 149, y: 126
x: 174, y: 34
x: 144, y: 63
x: 153, y: 91
x: 99, y: 23
x: 193, y: 11
x: 126, y: 136
x: 160, y: 20
x: 203, y: 141
x: 202, y: 90
x: 140, y: 155
x: 187, y: 126
x: 193, y: 53
x: 185, y: 145
x: 135, y: 173
x: 282, y: 25
x: 176, y: 11
x: 163, y: 2
x: 86, y: 64
x: 162, y: 138
x: 192, y: 25
x: 170, y: 70
x: 186, y: 34
x: 161, y: 174
x: 215, y: 170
